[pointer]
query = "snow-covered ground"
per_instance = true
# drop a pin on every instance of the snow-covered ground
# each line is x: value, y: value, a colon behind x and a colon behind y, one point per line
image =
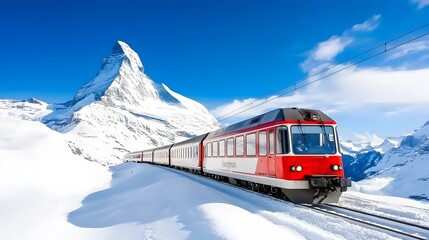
x: 49, y: 193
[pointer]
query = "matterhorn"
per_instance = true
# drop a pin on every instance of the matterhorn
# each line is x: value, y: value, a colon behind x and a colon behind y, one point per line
x: 121, y: 110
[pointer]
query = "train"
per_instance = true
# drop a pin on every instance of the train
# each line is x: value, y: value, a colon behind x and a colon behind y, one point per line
x: 291, y: 153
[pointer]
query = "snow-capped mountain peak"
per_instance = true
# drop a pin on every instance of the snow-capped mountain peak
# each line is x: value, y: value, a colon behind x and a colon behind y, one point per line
x: 120, y: 80
x: 126, y: 110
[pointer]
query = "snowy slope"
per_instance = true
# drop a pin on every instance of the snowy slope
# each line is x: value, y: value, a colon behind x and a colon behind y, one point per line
x: 123, y: 110
x: 47, y: 197
x: 30, y: 109
x: 41, y: 181
x: 403, y: 171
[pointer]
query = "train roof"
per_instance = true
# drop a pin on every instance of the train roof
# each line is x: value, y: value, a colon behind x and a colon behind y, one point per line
x: 163, y: 147
x: 281, y: 114
x: 196, y: 139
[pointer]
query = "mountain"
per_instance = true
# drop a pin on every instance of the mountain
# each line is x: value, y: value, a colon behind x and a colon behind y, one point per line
x: 118, y: 111
x: 405, y: 169
x: 31, y: 109
x: 361, y: 155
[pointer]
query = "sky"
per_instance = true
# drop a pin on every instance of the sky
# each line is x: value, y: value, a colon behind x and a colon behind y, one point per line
x: 228, y: 54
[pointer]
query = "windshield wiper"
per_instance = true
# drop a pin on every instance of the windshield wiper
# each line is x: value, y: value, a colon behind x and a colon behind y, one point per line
x: 302, y: 133
x: 322, y: 126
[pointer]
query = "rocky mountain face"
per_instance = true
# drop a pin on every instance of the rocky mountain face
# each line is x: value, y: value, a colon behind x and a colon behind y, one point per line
x: 398, y: 166
x: 120, y: 110
x: 361, y: 155
x: 406, y: 167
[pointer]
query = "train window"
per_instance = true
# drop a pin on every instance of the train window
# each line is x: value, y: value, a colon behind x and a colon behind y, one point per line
x: 239, y: 146
x: 251, y: 144
x: 262, y: 143
x: 230, y: 147
x: 209, y: 149
x: 271, y: 138
x: 222, y: 148
x: 282, y: 140
x: 215, y: 147
x: 313, y: 139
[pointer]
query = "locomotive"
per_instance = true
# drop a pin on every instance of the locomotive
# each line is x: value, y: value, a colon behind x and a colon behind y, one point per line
x: 292, y: 153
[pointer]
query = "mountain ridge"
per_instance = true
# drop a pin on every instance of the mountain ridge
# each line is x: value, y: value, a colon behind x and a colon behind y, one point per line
x: 124, y: 109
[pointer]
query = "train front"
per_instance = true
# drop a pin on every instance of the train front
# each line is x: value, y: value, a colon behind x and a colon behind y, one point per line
x: 311, y: 158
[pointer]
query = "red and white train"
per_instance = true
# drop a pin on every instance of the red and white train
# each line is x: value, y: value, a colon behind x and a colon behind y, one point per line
x: 292, y: 153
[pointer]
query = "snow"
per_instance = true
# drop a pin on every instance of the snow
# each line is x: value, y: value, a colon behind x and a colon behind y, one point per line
x: 49, y: 193
x: 41, y: 181
x: 126, y: 111
x: 403, y: 209
x: 405, y: 167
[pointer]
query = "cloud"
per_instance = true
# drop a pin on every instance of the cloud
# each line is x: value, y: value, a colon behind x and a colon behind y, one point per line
x: 369, y: 137
x: 367, y: 26
x: 323, y: 55
x: 421, y: 3
x: 379, y: 91
x: 361, y: 99
x: 325, y: 52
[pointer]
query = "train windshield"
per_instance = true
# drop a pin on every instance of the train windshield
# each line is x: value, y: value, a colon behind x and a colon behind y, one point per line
x: 313, y: 139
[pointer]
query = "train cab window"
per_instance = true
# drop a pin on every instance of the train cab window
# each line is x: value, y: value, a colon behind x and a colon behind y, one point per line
x: 239, y: 146
x: 262, y: 143
x: 251, y: 144
x: 282, y: 140
x: 230, y: 147
x: 222, y: 148
x: 313, y: 139
x: 215, y: 147
x: 271, y: 139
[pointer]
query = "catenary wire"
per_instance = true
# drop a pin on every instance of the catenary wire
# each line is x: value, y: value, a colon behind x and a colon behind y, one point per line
x: 295, y: 87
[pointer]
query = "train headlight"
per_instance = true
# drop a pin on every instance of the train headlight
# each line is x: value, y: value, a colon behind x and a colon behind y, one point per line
x: 296, y: 168
x: 336, y: 167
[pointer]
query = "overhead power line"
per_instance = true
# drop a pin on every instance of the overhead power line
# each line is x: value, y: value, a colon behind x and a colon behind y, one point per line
x: 296, y: 86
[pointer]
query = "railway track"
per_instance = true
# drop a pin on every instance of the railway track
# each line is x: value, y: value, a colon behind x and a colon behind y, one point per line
x: 396, y: 227
x: 393, y: 227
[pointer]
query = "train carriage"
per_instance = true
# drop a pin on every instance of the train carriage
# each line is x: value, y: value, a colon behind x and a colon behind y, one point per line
x: 162, y: 155
x: 188, y: 154
x: 133, y: 157
x: 147, y: 156
x: 294, y: 151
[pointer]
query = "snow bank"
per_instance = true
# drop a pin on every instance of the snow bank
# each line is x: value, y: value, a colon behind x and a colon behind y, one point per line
x: 41, y: 181
x: 49, y: 193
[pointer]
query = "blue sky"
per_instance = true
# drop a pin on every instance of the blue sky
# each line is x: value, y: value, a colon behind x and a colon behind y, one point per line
x: 225, y: 54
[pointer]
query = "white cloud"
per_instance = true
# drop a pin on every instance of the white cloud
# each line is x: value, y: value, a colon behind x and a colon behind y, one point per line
x: 325, y: 52
x: 370, y: 138
x: 409, y: 49
x: 368, y: 25
x: 421, y: 3
x: 376, y: 92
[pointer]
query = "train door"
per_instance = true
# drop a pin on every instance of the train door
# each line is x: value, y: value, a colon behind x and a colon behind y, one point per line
x: 271, y: 153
